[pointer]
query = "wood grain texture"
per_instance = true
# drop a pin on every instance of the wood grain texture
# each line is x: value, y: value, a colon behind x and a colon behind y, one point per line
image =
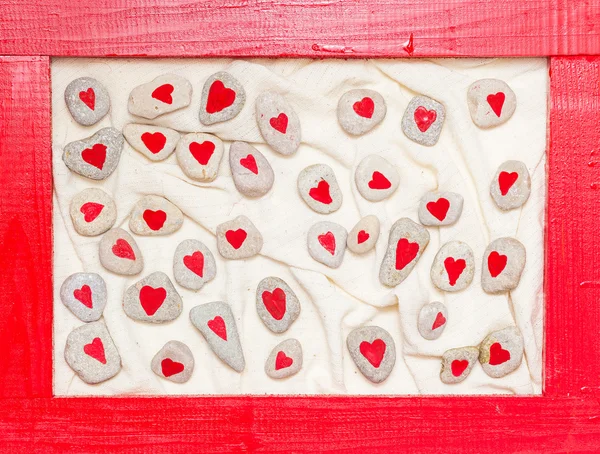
x: 316, y: 28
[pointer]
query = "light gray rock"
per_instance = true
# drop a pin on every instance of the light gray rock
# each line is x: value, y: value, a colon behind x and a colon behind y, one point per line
x: 193, y: 264
x: 153, y: 299
x: 278, y: 123
x: 92, y: 354
x: 285, y: 359
x: 376, y: 179
x: 423, y: 120
x: 363, y: 237
x: 319, y: 188
x: 276, y: 304
x: 406, y: 244
x: 432, y: 320
x: 154, y: 142
x: 457, y: 364
x: 360, y: 110
x: 503, y: 263
x: 164, y: 94
x: 93, y: 212
x: 453, y: 267
x: 511, y: 185
x: 119, y: 253
x: 199, y: 156
x: 327, y: 243
x: 251, y: 172
x: 440, y: 208
x: 222, y: 98
x: 87, y: 100
x: 491, y: 102
x: 238, y: 239
x: 95, y: 157
x: 173, y: 362
x: 373, y: 351
x: 153, y: 215
x: 85, y: 295
x: 216, y: 323
x: 501, y: 352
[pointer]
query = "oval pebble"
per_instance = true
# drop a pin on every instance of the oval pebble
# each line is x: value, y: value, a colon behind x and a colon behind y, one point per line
x: 284, y: 360
x: 360, y: 110
x: 457, y: 364
x: 327, y: 243
x: 93, y: 212
x: 432, y: 320
x: 154, y: 142
x: 276, y: 304
x: 491, y: 102
x: 319, y: 188
x: 376, y: 179
x: 423, y: 120
x: 503, y: 263
x: 222, y: 98
x: 173, y: 362
x: 87, y: 100
x: 440, y: 208
x: 199, y: 156
x: 252, y: 174
x: 278, y: 123
x: 373, y: 350
x: 501, y: 352
x: 162, y: 95
x: 84, y: 294
x: 152, y: 299
x: 364, y: 235
x: 153, y: 215
x: 238, y: 239
x: 119, y: 253
x: 511, y: 185
x: 453, y: 267
x: 193, y: 264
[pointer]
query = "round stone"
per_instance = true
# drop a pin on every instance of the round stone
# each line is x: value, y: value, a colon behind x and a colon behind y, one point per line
x: 440, y: 208
x: 119, y: 253
x: 87, y: 100
x: 285, y: 360
x: 457, y: 364
x: 153, y: 299
x: 154, y: 142
x: 501, y: 352
x: 252, y: 174
x: 319, y: 188
x: 193, y: 264
x: 85, y: 295
x: 93, y: 212
x: 199, y: 156
x: 164, y: 94
x: 376, y: 179
x: 173, y: 362
x: 373, y: 350
x: 222, y: 98
x: 95, y: 157
x: 423, y: 120
x: 276, y: 304
x: 360, y: 110
x: 238, y: 239
x: 503, y: 263
x: 432, y: 320
x: 511, y: 185
x: 453, y: 267
x: 491, y: 102
x: 278, y: 123
x: 153, y: 215
x: 363, y: 237
x: 327, y: 243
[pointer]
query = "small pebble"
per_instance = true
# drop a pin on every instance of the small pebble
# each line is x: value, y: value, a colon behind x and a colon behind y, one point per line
x: 432, y: 320
x: 501, y: 352
x: 440, y: 208
x: 174, y: 362
x: 423, y: 120
x: 222, y: 98
x: 238, y: 239
x: 318, y: 187
x: 491, y: 102
x: 327, y: 243
x: 457, y: 364
x: 153, y: 299
x: 373, y: 351
x: 154, y: 142
x: 360, y: 110
x: 285, y: 359
x: 97, y: 156
x: 453, y: 267
x: 363, y: 237
x: 119, y: 253
x: 193, y: 264
x: 252, y: 174
x: 153, y: 215
x: 511, y: 185
x: 85, y: 295
x: 199, y: 156
x: 276, y: 304
x: 87, y: 100
x: 93, y: 212
x: 278, y: 123
x: 503, y: 263
x: 376, y: 179
x: 164, y: 94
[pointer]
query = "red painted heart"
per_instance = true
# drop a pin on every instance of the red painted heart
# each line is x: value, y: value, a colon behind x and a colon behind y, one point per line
x: 424, y: 118
x: 96, y: 350
x: 496, y: 263
x: 275, y: 303
x: 365, y: 107
x: 506, y: 180
x: 362, y: 237
x: 163, y: 93
x: 202, y: 151
x: 405, y: 253
x: 91, y: 210
x: 155, y: 219
x: 154, y: 141
x: 152, y: 299
x: 321, y: 193
x: 84, y: 296
x: 283, y: 361
x: 236, y: 237
x: 454, y: 268
x: 440, y: 320
x: 123, y: 250
x: 170, y: 367
x: 373, y: 351
x: 327, y: 240
x: 95, y: 156
x: 217, y: 325
x: 279, y: 123
x: 195, y: 263
x: 496, y: 102
x: 439, y: 209
x: 379, y: 181
x: 498, y: 355
x: 88, y: 97
x: 219, y: 97
x: 459, y: 366
x: 249, y: 163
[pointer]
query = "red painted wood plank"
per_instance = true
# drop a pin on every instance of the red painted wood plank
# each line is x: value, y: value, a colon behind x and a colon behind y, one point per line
x: 25, y: 228
x: 326, y: 28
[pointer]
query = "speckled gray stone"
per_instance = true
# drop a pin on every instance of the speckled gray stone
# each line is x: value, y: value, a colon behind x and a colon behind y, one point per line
x: 92, y: 354
x: 87, y: 100
x: 327, y: 243
x: 406, y: 244
x: 373, y: 351
x: 97, y: 156
x: 164, y: 94
x: 440, y: 208
x: 285, y: 359
x: 276, y: 304
x: 319, y: 188
x: 491, y: 102
x: 453, y: 267
x: 432, y: 320
x: 278, y: 123
x: 501, y: 352
x: 85, y: 295
x: 457, y: 364
x: 511, y: 186
x: 193, y: 264
x: 251, y: 172
x: 376, y: 179
x: 503, y: 263
x: 93, y: 212
x: 423, y: 120
x: 216, y: 323
x: 199, y: 156
x: 363, y: 237
x: 119, y: 253
x: 173, y: 362
x: 153, y: 299
x: 238, y: 239
x: 153, y: 215
x: 360, y: 110
x: 223, y: 97
x: 154, y: 142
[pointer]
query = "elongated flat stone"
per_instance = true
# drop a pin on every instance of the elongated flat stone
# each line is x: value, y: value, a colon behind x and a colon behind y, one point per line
x: 119, y: 253
x: 154, y: 142
x: 423, y: 120
x: 327, y: 243
x: 491, y: 102
x: 153, y: 215
x: 278, y: 123
x: 360, y: 110
x: 238, y: 239
x: 406, y: 244
x: 453, y: 267
x: 503, y: 263
x: 276, y: 304
x: 501, y: 352
x: 373, y: 351
x: 457, y: 364
x: 216, y: 323
x: 193, y: 264
x: 199, y: 156
x: 97, y: 156
x: 87, y: 100
x: 440, y: 208
x: 319, y: 188
x: 93, y: 212
x: 162, y: 95
x: 222, y: 98
x: 285, y: 360
x: 252, y: 174
x: 376, y: 179
x: 153, y: 299
x: 363, y: 237
x: 173, y: 362
x: 85, y: 295
x: 511, y: 185
x: 432, y: 320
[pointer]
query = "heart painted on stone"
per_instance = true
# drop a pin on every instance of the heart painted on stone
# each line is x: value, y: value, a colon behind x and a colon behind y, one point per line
x: 249, y: 163
x: 219, y: 97
x: 454, y: 268
x: 155, y: 219
x: 424, y: 118
x: 498, y: 355
x: 327, y: 240
x: 440, y: 320
x: 91, y: 210
x: 283, y: 361
x: 439, y: 209
x: 170, y: 367
x: 279, y: 123
x: 202, y: 151
x: 275, y: 303
x: 496, y: 263
x: 95, y: 156
x: 123, y: 249
x: 163, y: 93
x: 379, y: 181
x: 321, y: 193
x: 84, y: 296
x: 154, y: 142
x: 362, y: 237
x: 458, y: 367
x: 236, y: 237
x: 217, y: 325
x: 96, y: 350
x: 405, y: 253
x: 373, y: 351
x: 364, y: 108
x: 496, y: 102
x: 506, y: 180
x: 88, y: 97
x: 195, y: 263
x: 152, y: 299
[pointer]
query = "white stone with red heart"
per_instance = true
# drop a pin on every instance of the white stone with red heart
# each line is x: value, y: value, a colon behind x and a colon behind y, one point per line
x: 120, y: 253
x: 440, y: 208
x: 97, y: 156
x: 364, y: 235
x: 511, y: 186
x: 278, y: 123
x: 327, y: 243
x: 251, y: 172
x: 503, y: 263
x: 173, y: 362
x: 423, y: 120
x: 84, y: 294
x: 162, y: 95
x: 373, y: 350
x: 238, y: 239
x: 153, y: 215
x: 223, y: 97
x: 284, y: 360
x: 87, y: 100
x: 153, y: 299
x: 276, y: 304
x: 154, y: 142
x: 491, y: 102
x: 501, y: 352
x: 199, y: 156
x: 457, y: 364
x: 453, y: 267
x: 93, y: 212
x: 360, y: 110
x: 319, y: 188
x: 432, y: 320
x: 193, y: 264
x: 375, y: 178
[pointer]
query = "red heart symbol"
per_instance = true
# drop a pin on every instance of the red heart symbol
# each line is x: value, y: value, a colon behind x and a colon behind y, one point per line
x: 155, y: 219
x: 282, y: 361
x: 95, y: 156
x: 373, y: 351
x: 362, y: 236
x: 439, y: 209
x: 249, y: 163
x: 88, y: 97
x: 405, y: 253
x: 236, y: 237
x: 217, y: 325
x: 195, y: 263
x: 321, y: 193
x: 279, y: 123
x: 123, y: 250
x: 84, y: 295
x: 379, y: 181
x: 328, y: 242
x: 496, y: 102
x: 506, y: 180
x: 152, y: 299
x: 163, y: 93
x: 219, y: 97
x: 454, y: 268
x: 424, y: 118
x: 202, y: 151
x: 170, y: 367
x: 496, y: 263
x: 154, y: 142
x: 275, y: 303
x: 458, y: 367
x: 439, y: 321
x: 365, y: 107
x: 91, y: 210
x: 95, y: 350
x: 498, y: 355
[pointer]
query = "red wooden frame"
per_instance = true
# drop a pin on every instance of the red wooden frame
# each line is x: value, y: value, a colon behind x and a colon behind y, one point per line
x: 565, y: 418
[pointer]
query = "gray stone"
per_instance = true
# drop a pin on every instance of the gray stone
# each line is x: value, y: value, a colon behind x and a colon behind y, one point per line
x: 199, y: 156
x: 154, y: 142
x: 327, y: 243
x: 153, y: 215
x: 174, y: 362
x: 363, y: 237
x: 87, y: 100
x: 193, y: 264
x: 216, y: 323
x: 491, y: 102
x: 92, y: 354
x: 278, y: 123
x: 376, y: 179
x: 373, y: 351
x: 252, y: 174
x: 119, y: 253
x: 440, y: 208
x: 85, y: 295
x: 95, y: 157
x: 93, y: 212
x: 503, y: 263
x: 501, y: 352
x: 457, y: 364
x: 406, y: 244
x: 285, y: 359
x: 432, y: 320
x: 511, y: 185
x: 319, y: 188
x: 276, y: 304
x: 222, y: 98
x: 153, y: 299
x: 360, y: 110
x: 238, y: 239
x: 423, y: 120
x: 453, y: 267
x: 164, y: 94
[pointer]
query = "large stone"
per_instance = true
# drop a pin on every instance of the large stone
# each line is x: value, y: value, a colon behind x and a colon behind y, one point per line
x: 238, y: 239
x: 285, y: 359
x: 491, y: 102
x: 360, y: 110
x: 153, y: 215
x: 199, y: 156
x: 276, y: 304
x: 319, y: 188
x: 154, y: 142
x: 93, y: 212
x: 222, y: 98
x: 164, y: 94
x: 85, y: 295
x: 153, y: 299
x: 193, y: 264
x: 511, y: 185
x: 423, y: 120
x: 95, y: 157
x: 453, y: 267
x: 432, y: 320
x: 278, y: 123
x: 119, y: 253
x: 457, y: 364
x: 363, y: 237
x: 501, y: 352
x: 503, y: 263
x: 440, y: 208
x: 252, y: 174
x: 376, y: 179
x: 373, y: 351
x: 327, y: 243
x: 173, y: 362
x: 87, y: 100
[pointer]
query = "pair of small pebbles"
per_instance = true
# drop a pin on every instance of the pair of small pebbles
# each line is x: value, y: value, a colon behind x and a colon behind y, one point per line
x: 373, y: 350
